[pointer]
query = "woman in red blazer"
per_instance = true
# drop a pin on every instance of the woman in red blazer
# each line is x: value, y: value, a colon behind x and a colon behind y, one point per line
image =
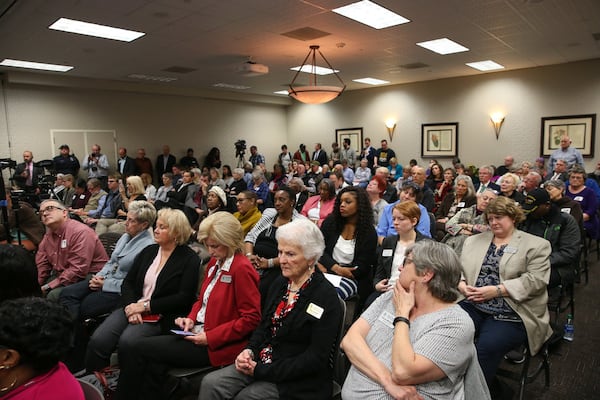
x: 220, y: 322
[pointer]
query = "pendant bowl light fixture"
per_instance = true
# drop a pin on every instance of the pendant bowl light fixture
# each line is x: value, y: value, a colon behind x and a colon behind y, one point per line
x: 314, y: 93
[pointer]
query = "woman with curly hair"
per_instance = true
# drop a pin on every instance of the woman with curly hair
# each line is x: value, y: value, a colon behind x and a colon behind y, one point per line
x: 350, y: 242
x: 35, y: 334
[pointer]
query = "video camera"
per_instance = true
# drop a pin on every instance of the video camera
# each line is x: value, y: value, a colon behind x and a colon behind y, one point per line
x: 240, y: 148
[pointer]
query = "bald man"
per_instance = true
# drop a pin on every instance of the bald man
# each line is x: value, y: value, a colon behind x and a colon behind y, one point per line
x: 26, y: 174
x: 566, y: 152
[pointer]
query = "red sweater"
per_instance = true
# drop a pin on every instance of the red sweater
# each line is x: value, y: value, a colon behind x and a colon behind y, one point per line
x: 232, y: 311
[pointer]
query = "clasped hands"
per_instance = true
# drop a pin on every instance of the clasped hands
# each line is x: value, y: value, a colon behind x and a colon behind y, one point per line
x: 477, y: 294
x: 244, y: 363
x: 133, y: 312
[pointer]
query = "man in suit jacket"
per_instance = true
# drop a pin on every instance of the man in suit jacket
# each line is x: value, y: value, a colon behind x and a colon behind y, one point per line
x: 560, y: 171
x: 125, y: 164
x: 485, y: 174
x: 320, y: 155
x: 27, y: 174
x: 165, y: 161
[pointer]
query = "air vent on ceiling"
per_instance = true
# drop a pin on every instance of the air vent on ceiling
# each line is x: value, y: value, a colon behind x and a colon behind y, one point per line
x: 179, y: 70
x: 415, y: 65
x: 306, y: 33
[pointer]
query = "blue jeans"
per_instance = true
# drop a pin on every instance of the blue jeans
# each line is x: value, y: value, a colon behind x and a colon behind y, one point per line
x: 494, y: 338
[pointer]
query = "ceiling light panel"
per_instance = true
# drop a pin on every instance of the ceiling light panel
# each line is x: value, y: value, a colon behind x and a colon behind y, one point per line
x: 487, y: 65
x: 443, y: 46
x: 89, y: 29
x: 35, y: 65
x: 317, y: 70
x: 230, y: 86
x: 371, y: 14
x: 371, y: 81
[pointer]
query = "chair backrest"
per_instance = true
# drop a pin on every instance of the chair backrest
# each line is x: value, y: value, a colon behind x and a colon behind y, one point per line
x: 109, y: 241
x: 432, y: 227
x: 336, y: 359
x: 90, y: 392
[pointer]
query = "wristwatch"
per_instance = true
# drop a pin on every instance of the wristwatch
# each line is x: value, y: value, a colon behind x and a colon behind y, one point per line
x: 145, y: 304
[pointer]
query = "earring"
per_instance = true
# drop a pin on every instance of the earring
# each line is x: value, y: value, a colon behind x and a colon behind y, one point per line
x: 9, y: 387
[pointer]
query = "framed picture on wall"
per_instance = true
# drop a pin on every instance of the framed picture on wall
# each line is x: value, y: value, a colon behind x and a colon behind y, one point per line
x: 581, y: 129
x: 439, y: 140
x: 354, y: 134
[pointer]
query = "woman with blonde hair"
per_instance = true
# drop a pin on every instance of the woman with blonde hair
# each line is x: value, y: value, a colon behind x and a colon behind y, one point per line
x: 509, y: 183
x: 160, y: 286
x: 150, y: 189
x: 218, y: 324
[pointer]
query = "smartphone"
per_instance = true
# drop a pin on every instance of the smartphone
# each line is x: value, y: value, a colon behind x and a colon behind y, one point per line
x: 182, y: 333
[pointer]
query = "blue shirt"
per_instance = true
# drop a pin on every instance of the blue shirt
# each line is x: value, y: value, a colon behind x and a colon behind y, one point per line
x: 385, y: 227
x: 571, y: 155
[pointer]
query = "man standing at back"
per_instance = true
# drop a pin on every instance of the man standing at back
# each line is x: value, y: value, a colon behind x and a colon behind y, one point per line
x: 26, y: 174
x: 66, y: 163
x: 570, y: 154
x: 347, y: 153
x: 126, y: 164
x: 96, y: 165
x: 68, y: 252
x: 384, y: 155
x: 143, y: 164
x: 165, y: 161
x: 319, y: 154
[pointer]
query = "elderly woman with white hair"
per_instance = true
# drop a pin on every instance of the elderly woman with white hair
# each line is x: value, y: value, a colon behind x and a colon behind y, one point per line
x: 288, y: 354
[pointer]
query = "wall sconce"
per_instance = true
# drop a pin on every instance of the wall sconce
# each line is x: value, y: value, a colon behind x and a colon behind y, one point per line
x: 497, y: 119
x: 390, y: 124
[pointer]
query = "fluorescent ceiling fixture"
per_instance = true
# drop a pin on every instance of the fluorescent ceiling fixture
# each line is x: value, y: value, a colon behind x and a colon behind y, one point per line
x: 229, y: 86
x: 371, y: 14
x: 487, y: 65
x: 317, y: 70
x: 371, y: 81
x: 152, y: 78
x: 443, y: 46
x: 89, y: 29
x: 284, y: 92
x: 35, y: 65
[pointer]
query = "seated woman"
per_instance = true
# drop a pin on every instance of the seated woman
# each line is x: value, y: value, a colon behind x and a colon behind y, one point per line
x: 556, y: 191
x: 468, y: 221
x: 260, y: 244
x: 319, y: 206
x: 227, y: 176
x: 505, y: 273
x: 436, y: 176
x: 226, y: 313
x: 81, y: 196
x: 391, y: 253
x: 288, y: 354
x: 260, y: 187
x: 160, y: 286
x: 35, y: 334
x: 431, y: 337
x: 278, y: 178
x: 462, y: 196
x: 395, y: 170
x: 215, y: 179
x: 69, y: 184
x: 216, y: 200
x: 508, y: 187
x: 375, y: 190
x: 444, y: 188
x: 297, y: 185
x: 237, y: 185
x: 150, y: 189
x: 102, y: 293
x: 350, y: 243
x: 167, y: 186
x: 579, y: 192
x: 18, y: 272
x: 247, y: 211
x: 362, y: 175
x: 135, y: 192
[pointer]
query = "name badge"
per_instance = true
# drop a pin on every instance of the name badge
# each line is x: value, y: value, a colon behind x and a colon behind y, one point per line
x: 387, y: 319
x: 510, y: 250
x: 82, y: 196
x: 387, y: 253
x: 63, y: 244
x: 566, y: 210
x: 226, y: 278
x: 578, y: 198
x: 461, y: 204
x: 315, y: 310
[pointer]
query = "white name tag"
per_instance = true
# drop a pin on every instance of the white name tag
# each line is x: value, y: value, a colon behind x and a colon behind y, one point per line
x: 82, y: 196
x: 461, y: 204
x: 226, y: 278
x: 315, y: 310
x: 578, y: 198
x: 387, y: 252
x: 387, y: 319
x: 63, y: 244
x: 566, y: 210
x: 510, y: 250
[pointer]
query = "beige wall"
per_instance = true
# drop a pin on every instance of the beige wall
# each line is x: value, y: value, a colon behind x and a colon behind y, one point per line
x: 525, y: 96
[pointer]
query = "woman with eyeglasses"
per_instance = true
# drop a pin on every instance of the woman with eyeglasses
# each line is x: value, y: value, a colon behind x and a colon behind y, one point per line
x: 579, y: 192
x: 414, y: 341
x: 247, y: 211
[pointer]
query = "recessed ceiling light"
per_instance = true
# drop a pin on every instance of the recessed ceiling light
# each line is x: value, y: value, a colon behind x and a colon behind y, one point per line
x: 317, y: 70
x: 284, y: 92
x: 443, y: 46
x: 487, y: 65
x: 35, y: 65
x: 230, y: 86
x: 371, y: 14
x: 371, y: 81
x: 152, y: 78
x: 89, y: 29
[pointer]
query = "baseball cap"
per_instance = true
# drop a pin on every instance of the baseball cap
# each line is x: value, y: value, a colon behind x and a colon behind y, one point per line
x: 534, y: 199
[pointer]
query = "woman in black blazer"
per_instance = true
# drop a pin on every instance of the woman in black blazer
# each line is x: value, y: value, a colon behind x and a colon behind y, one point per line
x: 161, y: 285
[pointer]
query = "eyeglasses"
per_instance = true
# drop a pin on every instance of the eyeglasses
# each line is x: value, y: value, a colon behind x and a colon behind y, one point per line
x: 239, y: 200
x: 111, y: 181
x: 50, y: 209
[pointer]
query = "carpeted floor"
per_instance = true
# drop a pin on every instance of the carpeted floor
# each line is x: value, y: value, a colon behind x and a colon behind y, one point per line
x: 574, y: 366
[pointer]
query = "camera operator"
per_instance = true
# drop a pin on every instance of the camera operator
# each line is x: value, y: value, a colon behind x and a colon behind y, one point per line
x: 26, y: 174
x: 22, y: 219
x: 96, y: 164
